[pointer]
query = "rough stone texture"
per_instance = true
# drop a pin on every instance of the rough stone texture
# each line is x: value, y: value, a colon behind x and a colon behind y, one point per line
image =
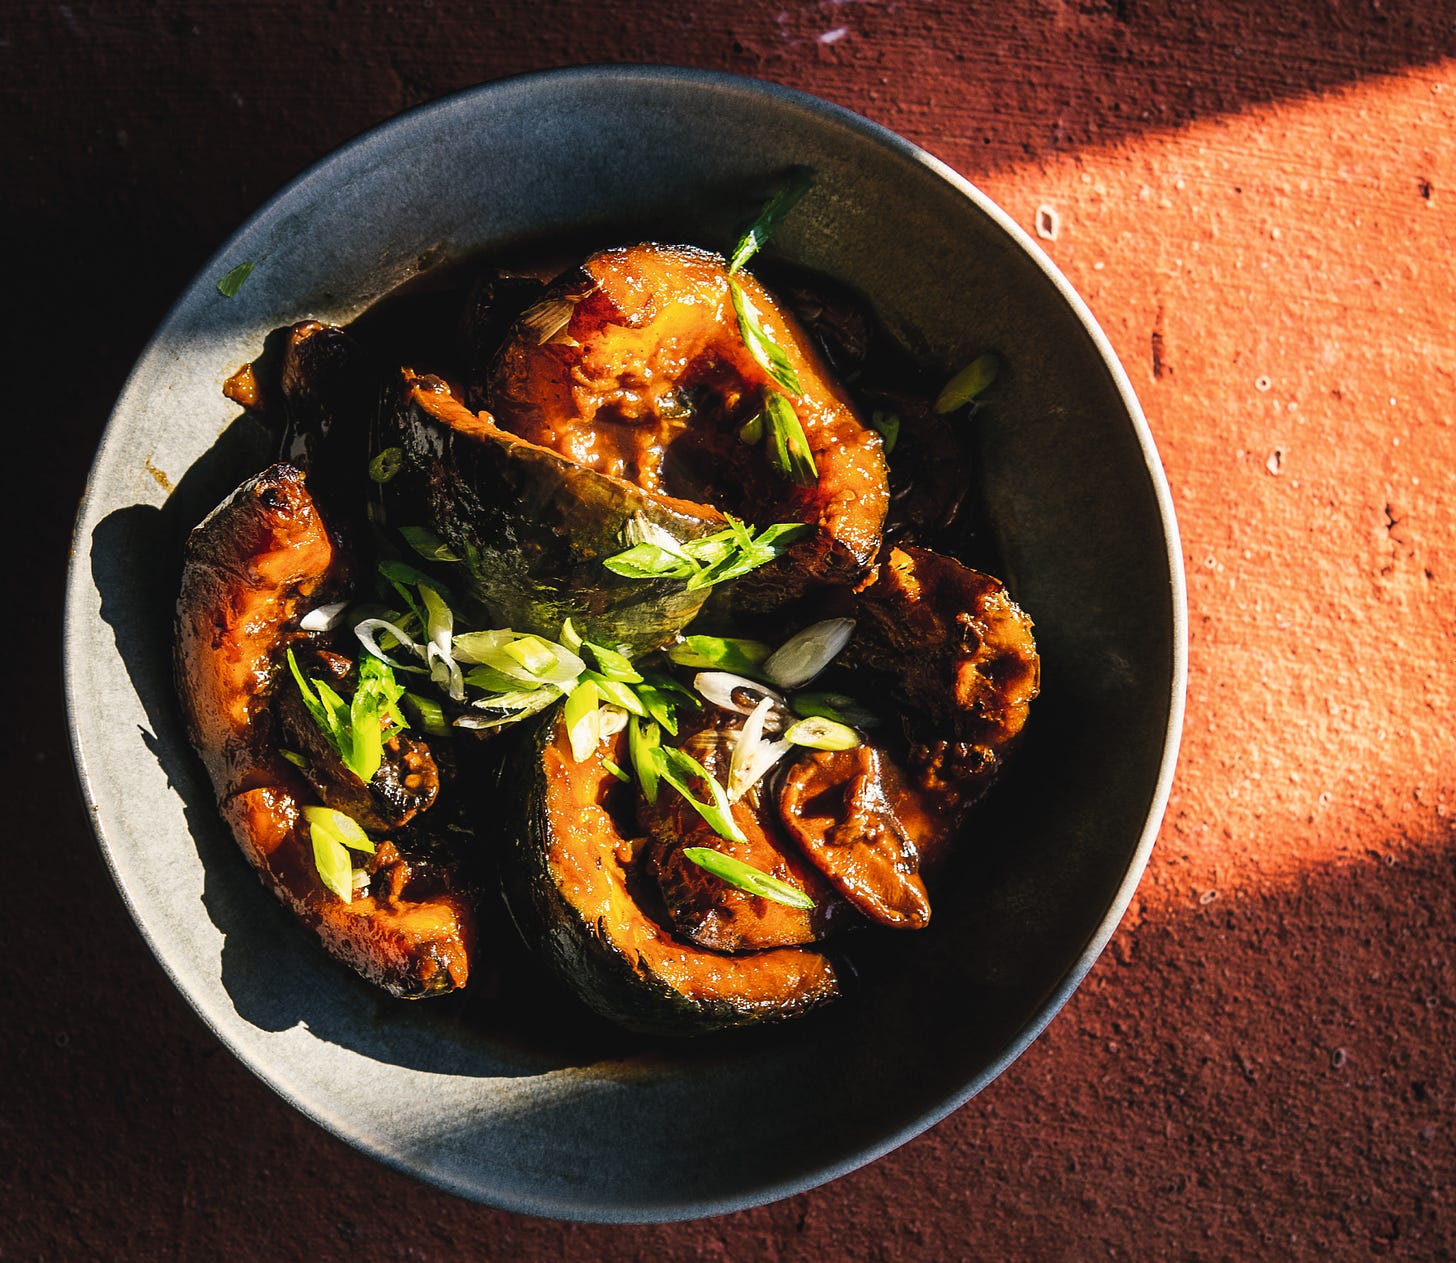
x: 1258, y: 202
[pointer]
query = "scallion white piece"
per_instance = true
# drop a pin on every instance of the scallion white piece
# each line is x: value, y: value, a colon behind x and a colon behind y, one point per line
x: 753, y: 756
x: 723, y: 689
x: 324, y: 617
x: 800, y: 658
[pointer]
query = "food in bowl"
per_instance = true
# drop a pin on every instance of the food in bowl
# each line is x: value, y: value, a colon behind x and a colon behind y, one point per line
x: 510, y: 605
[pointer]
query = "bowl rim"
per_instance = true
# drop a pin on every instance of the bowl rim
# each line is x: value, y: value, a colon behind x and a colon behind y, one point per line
x: 77, y: 608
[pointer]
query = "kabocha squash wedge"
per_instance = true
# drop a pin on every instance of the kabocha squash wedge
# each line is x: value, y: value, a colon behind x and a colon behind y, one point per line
x: 531, y: 526
x: 638, y: 365
x: 257, y: 563
x: 574, y: 884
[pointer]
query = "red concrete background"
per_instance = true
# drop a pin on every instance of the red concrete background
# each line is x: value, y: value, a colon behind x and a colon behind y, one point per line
x: 1259, y: 203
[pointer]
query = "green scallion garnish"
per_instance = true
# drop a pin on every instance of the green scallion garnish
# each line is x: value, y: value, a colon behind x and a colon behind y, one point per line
x: 427, y: 714
x: 232, y: 281
x: 334, y: 835
x: 358, y: 728
x: 788, y: 445
x: 769, y: 218
x: 745, y: 877
x: 583, y: 728
x: 839, y: 707
x: 720, y: 653
x: 643, y: 743
x: 968, y: 383
x: 819, y: 733
x: 429, y: 545
x: 767, y: 353
x: 712, y: 559
x: 675, y: 767
x: 387, y: 464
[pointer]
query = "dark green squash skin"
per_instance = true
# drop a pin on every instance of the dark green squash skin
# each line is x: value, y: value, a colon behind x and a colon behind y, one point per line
x: 532, y: 526
x: 582, y: 950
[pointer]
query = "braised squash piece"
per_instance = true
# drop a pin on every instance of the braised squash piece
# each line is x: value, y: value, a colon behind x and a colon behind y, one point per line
x: 574, y: 884
x: 531, y: 526
x: 253, y: 567
x: 636, y: 367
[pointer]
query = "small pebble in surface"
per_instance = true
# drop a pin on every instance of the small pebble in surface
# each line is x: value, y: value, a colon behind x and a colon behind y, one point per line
x: 1338, y: 1058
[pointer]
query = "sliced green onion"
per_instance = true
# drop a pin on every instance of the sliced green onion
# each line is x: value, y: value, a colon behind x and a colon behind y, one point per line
x: 968, y: 383
x: 788, y: 445
x: 675, y: 766
x: 528, y: 700
x: 800, y: 658
x: 368, y: 632
x: 345, y: 829
x: 489, y: 679
x: 366, y: 747
x: 427, y: 714
x: 532, y: 654
x: 610, y: 720
x: 524, y: 659
x: 751, y: 431
x: 570, y: 638
x: 583, y: 728
x: 769, y: 218
x: 323, y: 618
x: 715, y: 558
x: 232, y: 281
x: 837, y: 706
x: 403, y: 572
x: 767, y: 353
x: 333, y: 835
x: 429, y: 545
x: 616, y: 771
x: 517, y: 706
x: 745, y: 877
x: 650, y: 561
x: 387, y: 464
x: 723, y: 687
x: 439, y: 657
x: 613, y: 664
x: 720, y: 653
x: 615, y: 693
x: 356, y: 729
x: 641, y: 529
x: 643, y: 744
x: 332, y: 863
x: 818, y: 733
x: 323, y: 715
x: 662, y: 696
x: 753, y: 756
x: 294, y: 757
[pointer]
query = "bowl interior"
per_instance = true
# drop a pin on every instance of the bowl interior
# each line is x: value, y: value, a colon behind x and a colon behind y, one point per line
x: 607, y: 1129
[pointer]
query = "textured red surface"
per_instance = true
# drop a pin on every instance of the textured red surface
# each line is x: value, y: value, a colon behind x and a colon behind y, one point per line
x: 1259, y: 206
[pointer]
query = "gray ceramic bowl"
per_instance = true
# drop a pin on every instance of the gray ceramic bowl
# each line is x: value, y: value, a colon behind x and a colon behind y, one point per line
x: 606, y: 1130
